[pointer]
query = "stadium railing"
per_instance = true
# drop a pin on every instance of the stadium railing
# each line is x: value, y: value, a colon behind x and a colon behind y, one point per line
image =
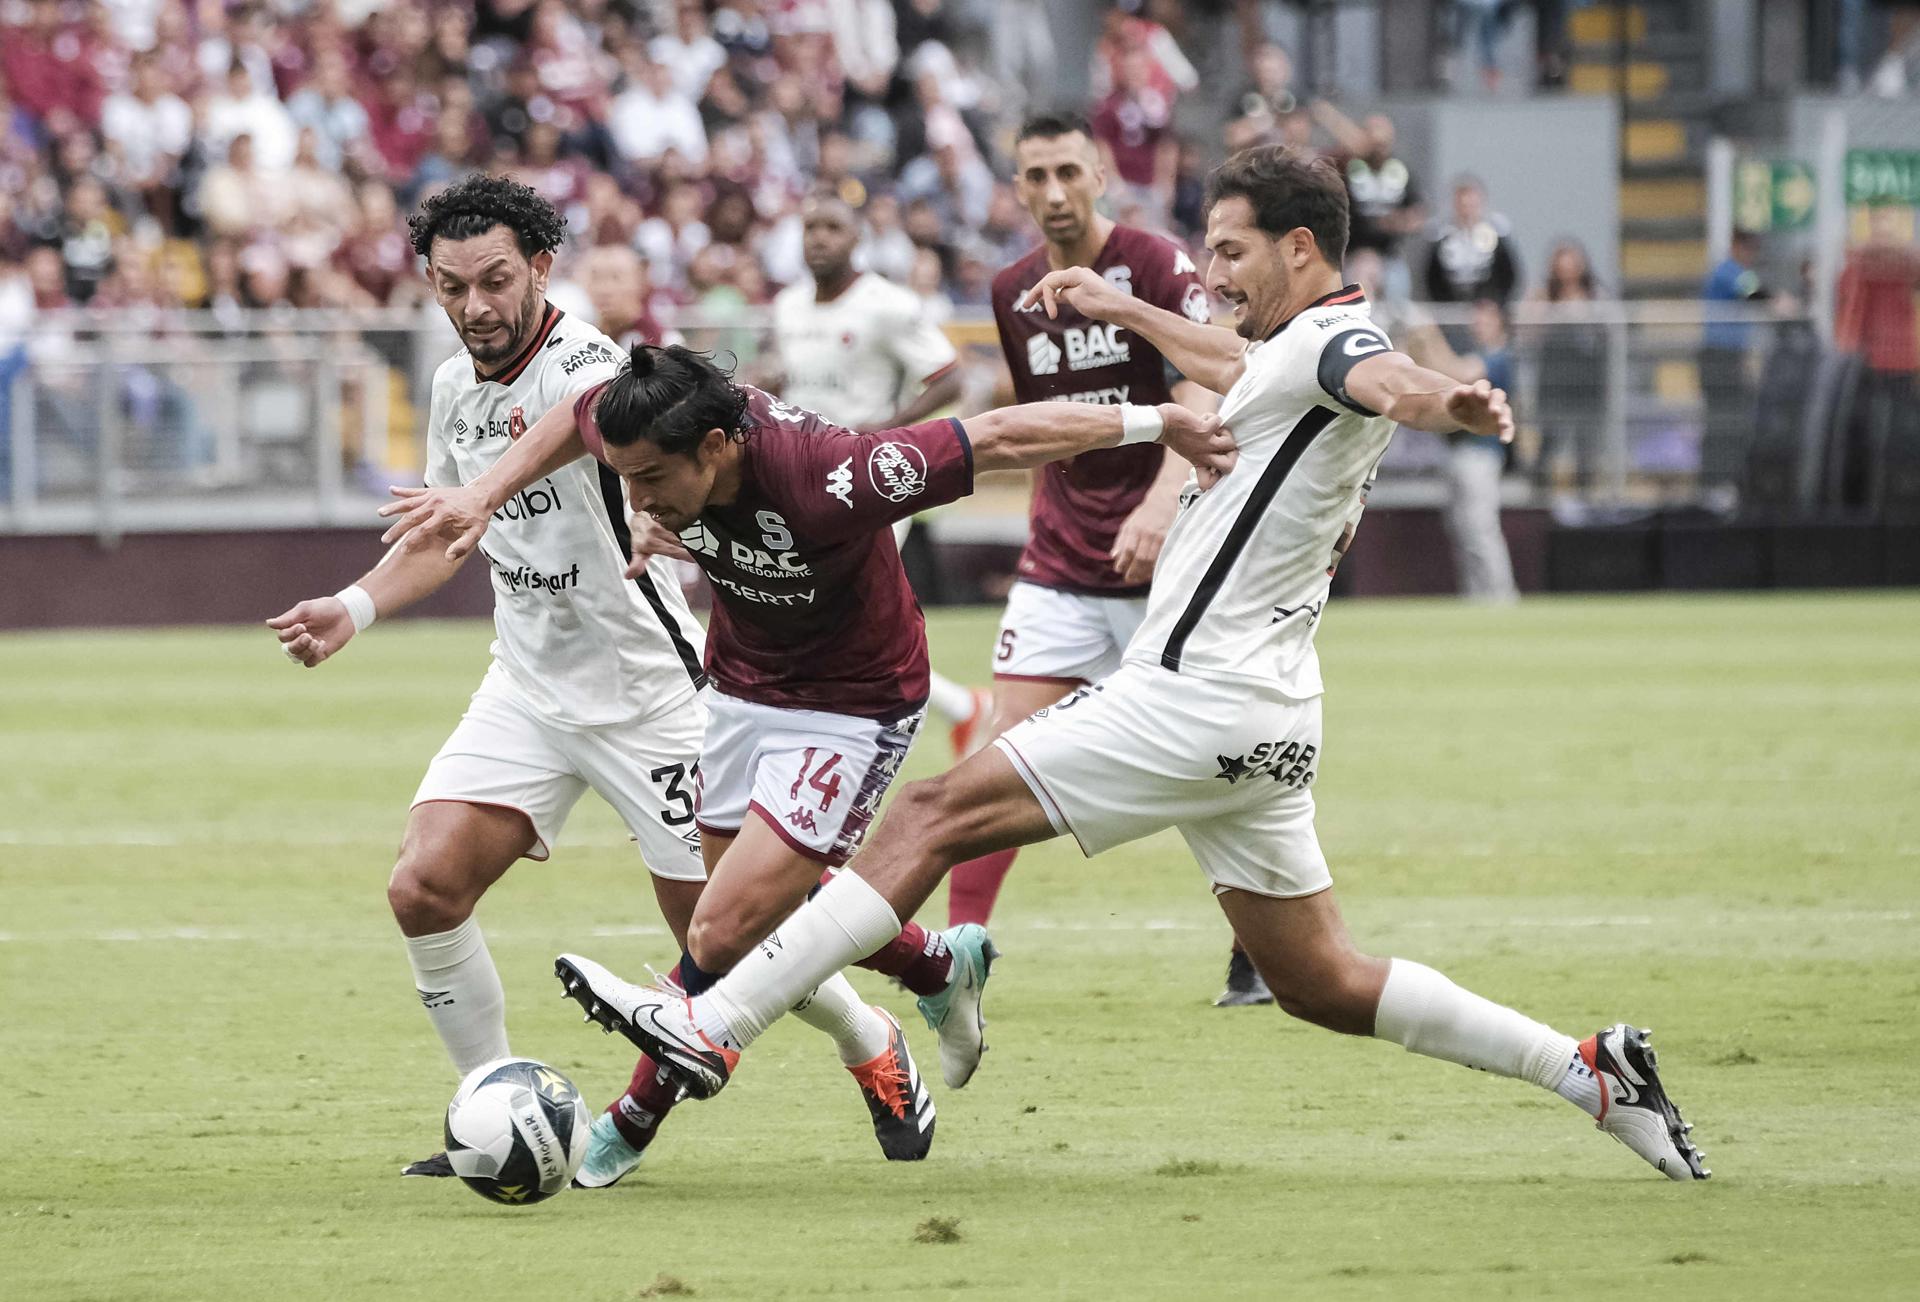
x: 198, y: 421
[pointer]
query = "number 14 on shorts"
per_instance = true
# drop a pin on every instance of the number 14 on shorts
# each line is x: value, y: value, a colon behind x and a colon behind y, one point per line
x: 821, y: 777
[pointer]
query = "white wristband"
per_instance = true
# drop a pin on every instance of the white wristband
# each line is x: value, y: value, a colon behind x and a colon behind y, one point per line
x: 359, y: 604
x: 1140, y: 424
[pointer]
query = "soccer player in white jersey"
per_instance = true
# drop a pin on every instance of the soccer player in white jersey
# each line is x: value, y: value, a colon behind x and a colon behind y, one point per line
x: 595, y: 677
x: 861, y: 351
x: 1212, y: 723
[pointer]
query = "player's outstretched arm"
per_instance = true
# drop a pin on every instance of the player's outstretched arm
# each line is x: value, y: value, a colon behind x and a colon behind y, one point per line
x: 314, y: 630
x: 461, y: 513
x: 1209, y: 355
x: 1409, y: 394
x: 1034, y: 433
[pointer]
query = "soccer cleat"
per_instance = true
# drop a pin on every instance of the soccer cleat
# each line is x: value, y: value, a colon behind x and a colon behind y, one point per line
x: 897, y: 1097
x: 609, y: 1156
x: 954, y: 1013
x: 970, y: 733
x: 1634, y: 1107
x: 437, y: 1167
x: 656, y: 1021
x: 1245, y: 985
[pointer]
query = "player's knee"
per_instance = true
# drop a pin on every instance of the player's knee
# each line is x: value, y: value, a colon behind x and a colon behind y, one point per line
x: 718, y: 943
x: 1338, y: 992
x: 422, y: 897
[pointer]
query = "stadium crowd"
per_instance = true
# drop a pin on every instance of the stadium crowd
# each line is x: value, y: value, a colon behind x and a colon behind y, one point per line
x: 167, y: 153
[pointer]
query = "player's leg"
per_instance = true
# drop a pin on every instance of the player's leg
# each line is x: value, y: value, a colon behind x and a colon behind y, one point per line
x: 1272, y: 883
x: 500, y: 789
x: 1050, y: 644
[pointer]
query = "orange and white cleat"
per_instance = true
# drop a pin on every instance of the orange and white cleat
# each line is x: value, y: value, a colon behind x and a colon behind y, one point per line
x: 897, y: 1097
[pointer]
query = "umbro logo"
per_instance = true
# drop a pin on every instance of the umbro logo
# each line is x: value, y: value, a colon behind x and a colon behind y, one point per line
x: 434, y: 998
x: 840, y: 483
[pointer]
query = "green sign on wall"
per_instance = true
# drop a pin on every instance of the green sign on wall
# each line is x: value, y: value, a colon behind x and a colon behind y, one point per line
x: 1772, y: 196
x: 1878, y: 176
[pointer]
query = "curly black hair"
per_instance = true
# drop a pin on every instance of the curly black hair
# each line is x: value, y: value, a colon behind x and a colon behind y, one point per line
x: 478, y: 203
x: 671, y: 397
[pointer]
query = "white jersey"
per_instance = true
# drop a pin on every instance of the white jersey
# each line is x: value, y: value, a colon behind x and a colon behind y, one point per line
x: 858, y: 359
x: 1244, y: 575
x: 584, y: 645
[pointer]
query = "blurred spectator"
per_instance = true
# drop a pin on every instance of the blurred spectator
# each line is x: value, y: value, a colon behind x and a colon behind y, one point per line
x: 652, y: 115
x: 1383, y: 197
x: 1270, y: 88
x: 1475, y: 462
x: 689, y: 50
x: 326, y: 106
x: 1874, y: 319
x: 674, y: 236
x: 616, y: 280
x: 242, y: 109
x: 1571, y: 391
x: 86, y: 238
x: 889, y: 250
x: 46, y: 63
x: 1125, y: 30
x: 1477, y: 26
x: 1472, y: 256
x: 950, y: 177
x: 151, y: 127
x: 238, y: 198
x: 926, y: 279
x: 1023, y: 51
x: 1726, y: 391
x: 1134, y: 128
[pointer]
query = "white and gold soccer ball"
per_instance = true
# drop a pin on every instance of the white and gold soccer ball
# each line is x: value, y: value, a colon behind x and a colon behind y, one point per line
x: 516, y: 1131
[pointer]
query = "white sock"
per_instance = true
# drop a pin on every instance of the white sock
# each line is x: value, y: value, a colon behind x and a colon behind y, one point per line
x: 858, y: 1031
x: 1428, y: 1014
x: 845, y: 921
x: 1579, y: 1086
x: 457, y: 982
x: 949, y: 699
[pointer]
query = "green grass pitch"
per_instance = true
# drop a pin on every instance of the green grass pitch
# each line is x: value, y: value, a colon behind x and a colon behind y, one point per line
x: 1701, y: 814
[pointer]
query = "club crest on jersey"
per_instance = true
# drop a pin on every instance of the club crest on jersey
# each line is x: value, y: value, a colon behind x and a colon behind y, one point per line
x: 840, y: 483
x: 516, y: 423
x: 1193, y: 304
x: 897, y: 471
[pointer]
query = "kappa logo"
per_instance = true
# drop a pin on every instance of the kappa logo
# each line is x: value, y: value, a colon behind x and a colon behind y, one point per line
x: 897, y: 471
x: 840, y: 483
x: 1043, y: 356
x: 696, y: 537
x: 1183, y: 265
x: 803, y: 819
x: 1193, y: 304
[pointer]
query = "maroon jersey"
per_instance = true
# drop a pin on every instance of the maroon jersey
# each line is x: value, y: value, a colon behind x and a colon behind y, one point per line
x: 1079, y: 504
x: 812, y: 609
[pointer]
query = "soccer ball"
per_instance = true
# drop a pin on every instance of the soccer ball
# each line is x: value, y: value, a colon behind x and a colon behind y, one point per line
x: 516, y: 1131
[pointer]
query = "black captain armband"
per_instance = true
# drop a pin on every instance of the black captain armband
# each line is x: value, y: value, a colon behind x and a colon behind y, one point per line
x: 1343, y: 352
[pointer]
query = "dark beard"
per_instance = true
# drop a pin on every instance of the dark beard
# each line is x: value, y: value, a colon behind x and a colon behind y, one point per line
x: 516, y: 337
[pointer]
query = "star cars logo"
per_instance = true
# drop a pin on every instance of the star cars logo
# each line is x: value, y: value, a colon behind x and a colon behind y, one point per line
x: 1290, y: 764
x: 1043, y: 356
x: 897, y: 471
x: 840, y: 483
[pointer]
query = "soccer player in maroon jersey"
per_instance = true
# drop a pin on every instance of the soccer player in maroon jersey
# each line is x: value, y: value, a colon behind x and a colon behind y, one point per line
x: 1098, y: 520
x: 817, y: 648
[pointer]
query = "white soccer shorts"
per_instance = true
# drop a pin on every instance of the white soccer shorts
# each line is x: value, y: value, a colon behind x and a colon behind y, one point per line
x: 504, y: 753
x: 1060, y: 636
x: 815, y: 778
x: 1146, y: 749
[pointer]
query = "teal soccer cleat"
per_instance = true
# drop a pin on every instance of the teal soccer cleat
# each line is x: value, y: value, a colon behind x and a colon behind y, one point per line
x: 954, y: 1013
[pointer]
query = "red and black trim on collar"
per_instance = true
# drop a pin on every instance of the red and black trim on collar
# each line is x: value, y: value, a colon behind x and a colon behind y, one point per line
x: 513, y: 369
x: 1338, y: 298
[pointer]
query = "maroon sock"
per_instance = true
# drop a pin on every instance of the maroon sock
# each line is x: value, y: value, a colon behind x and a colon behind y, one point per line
x: 919, y: 959
x: 973, y: 886
x: 650, y: 1096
